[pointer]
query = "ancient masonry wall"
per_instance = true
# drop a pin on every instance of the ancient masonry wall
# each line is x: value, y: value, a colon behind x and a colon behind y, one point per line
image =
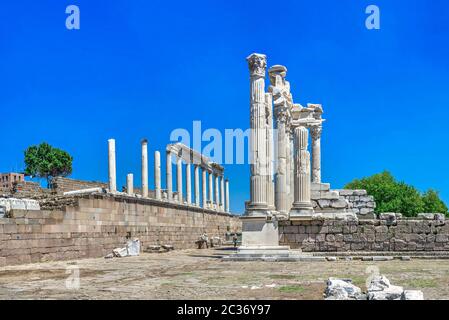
x: 366, y: 235
x: 96, y: 224
x: 61, y: 184
x: 325, y: 200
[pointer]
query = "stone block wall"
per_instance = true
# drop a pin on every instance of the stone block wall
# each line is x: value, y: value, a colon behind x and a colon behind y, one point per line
x: 61, y: 184
x: 95, y: 224
x: 366, y: 235
x: 325, y: 200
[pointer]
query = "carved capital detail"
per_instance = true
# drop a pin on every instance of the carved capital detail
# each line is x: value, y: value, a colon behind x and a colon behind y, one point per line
x: 257, y: 64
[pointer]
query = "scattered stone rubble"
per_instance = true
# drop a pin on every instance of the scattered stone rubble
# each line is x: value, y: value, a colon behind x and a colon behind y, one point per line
x: 132, y: 248
x: 379, y: 288
x: 159, y: 248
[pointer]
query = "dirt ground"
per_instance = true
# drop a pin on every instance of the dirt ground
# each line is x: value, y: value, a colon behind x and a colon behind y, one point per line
x: 200, y: 274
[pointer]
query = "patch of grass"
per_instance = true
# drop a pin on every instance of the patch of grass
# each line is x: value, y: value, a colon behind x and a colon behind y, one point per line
x: 422, y: 283
x: 282, y: 276
x: 291, y: 289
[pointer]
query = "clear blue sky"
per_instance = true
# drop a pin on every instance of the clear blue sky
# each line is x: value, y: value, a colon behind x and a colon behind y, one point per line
x: 143, y: 68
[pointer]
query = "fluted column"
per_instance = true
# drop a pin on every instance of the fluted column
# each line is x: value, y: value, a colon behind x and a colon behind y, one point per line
x: 269, y: 150
x: 144, y: 168
x: 157, y: 174
x: 112, y: 166
x: 217, y: 199
x: 281, y: 171
x: 179, y: 179
x: 169, y: 178
x: 316, y: 153
x: 211, y: 190
x: 204, y: 187
x: 222, y: 194
x: 258, y: 203
x: 302, y: 204
x: 188, y: 184
x: 197, y: 184
x: 130, y: 184
x: 291, y: 164
x: 227, y: 209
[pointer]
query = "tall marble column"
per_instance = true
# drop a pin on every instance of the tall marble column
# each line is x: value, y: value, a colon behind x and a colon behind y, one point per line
x: 169, y: 179
x: 211, y: 190
x: 316, y: 153
x: 179, y: 179
x: 204, y: 187
x: 269, y: 150
x: 302, y: 204
x: 130, y: 184
x: 292, y: 169
x: 157, y: 174
x: 258, y: 203
x: 227, y: 209
x: 188, y: 184
x: 197, y: 184
x: 281, y: 171
x: 112, y: 166
x: 217, y: 199
x: 222, y: 194
x: 145, y: 168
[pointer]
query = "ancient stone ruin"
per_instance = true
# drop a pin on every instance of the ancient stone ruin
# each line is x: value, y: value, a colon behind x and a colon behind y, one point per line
x: 291, y: 212
x: 290, y: 207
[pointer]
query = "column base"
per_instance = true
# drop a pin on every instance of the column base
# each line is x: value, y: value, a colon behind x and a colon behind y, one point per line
x: 260, y: 230
x: 302, y: 213
x: 260, y: 240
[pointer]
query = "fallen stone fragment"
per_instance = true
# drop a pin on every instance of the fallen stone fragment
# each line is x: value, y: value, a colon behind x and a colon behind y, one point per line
x: 412, y: 295
x: 390, y: 293
x: 338, y: 289
x: 378, y: 283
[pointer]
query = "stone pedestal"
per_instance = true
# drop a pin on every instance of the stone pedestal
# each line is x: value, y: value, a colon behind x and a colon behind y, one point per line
x: 259, y: 231
x: 260, y: 239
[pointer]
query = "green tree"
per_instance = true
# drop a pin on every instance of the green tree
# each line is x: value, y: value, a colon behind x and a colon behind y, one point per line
x: 393, y: 196
x: 433, y: 203
x: 44, y: 161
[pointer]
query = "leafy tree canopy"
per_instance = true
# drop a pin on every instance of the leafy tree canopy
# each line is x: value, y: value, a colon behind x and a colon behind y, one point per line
x: 394, y: 196
x: 44, y: 161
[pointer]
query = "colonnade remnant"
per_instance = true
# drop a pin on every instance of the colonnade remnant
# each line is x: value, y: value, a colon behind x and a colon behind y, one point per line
x: 281, y: 180
x: 218, y: 197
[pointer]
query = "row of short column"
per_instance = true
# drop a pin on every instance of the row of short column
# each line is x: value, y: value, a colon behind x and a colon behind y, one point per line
x: 214, y: 187
x: 217, y: 198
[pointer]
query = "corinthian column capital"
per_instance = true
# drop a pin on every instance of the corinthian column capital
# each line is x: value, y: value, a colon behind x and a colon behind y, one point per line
x: 257, y: 64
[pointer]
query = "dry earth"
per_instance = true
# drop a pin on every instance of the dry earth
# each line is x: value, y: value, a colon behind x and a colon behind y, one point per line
x: 200, y: 274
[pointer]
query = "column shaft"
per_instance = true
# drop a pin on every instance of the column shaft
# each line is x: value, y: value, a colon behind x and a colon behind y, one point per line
x: 302, y: 203
x: 258, y: 135
x: 211, y: 190
x: 157, y: 174
x: 112, y: 166
x: 316, y: 154
x: 217, y: 200
x: 188, y: 184
x: 281, y: 179
x: 269, y: 150
x: 197, y: 185
x: 130, y: 184
x: 222, y: 193
x: 145, y: 168
x: 179, y: 179
x: 227, y: 208
x: 204, y: 187
x: 169, y: 179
